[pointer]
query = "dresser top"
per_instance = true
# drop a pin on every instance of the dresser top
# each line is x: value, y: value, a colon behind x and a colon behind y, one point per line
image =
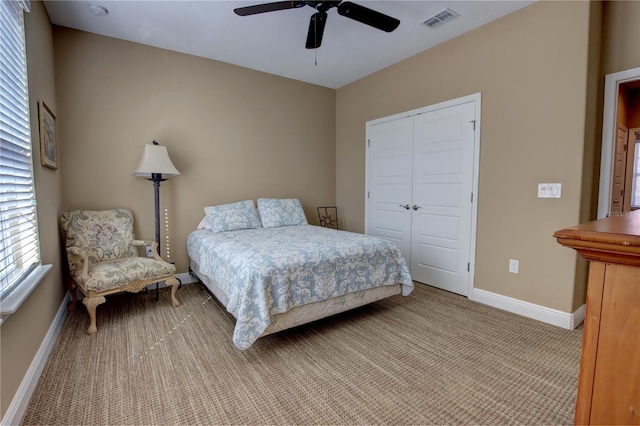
x: 623, y: 229
x: 601, y: 239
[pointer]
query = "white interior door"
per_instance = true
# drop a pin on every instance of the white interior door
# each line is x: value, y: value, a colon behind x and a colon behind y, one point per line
x: 441, y: 197
x: 389, y: 182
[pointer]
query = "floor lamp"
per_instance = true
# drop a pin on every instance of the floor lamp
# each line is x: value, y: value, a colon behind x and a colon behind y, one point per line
x: 156, y: 166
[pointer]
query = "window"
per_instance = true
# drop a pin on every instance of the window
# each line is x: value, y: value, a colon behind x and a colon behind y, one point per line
x: 19, y: 246
x: 635, y: 194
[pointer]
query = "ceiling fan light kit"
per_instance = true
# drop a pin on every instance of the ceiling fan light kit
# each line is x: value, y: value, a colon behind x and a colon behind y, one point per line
x: 318, y: 20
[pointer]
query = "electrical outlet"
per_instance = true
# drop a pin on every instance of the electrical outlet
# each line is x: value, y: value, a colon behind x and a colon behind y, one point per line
x: 514, y: 266
x: 149, y: 251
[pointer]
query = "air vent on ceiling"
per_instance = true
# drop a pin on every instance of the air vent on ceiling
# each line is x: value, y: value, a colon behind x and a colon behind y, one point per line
x: 440, y: 18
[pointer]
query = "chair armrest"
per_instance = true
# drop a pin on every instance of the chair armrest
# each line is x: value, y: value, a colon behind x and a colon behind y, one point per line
x: 142, y: 243
x: 76, y: 251
x: 154, y: 248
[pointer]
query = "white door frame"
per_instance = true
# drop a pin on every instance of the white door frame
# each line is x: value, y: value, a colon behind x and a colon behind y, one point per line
x: 477, y: 99
x: 609, y: 114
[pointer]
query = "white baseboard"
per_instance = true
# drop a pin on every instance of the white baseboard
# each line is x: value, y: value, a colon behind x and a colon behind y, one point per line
x: 578, y: 317
x: 186, y: 278
x: 541, y: 313
x: 19, y: 403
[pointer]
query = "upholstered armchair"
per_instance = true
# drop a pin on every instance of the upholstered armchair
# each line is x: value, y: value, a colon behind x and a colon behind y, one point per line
x: 103, y: 258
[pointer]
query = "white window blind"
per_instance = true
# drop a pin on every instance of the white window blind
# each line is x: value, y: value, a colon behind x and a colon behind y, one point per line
x: 635, y: 195
x: 19, y: 248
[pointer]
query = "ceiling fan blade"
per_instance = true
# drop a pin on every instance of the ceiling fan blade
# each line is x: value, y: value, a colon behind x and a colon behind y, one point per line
x: 368, y: 16
x: 316, y: 30
x: 268, y: 7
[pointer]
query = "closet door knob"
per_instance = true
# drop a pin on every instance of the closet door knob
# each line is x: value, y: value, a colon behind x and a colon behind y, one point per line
x: 406, y: 206
x: 416, y: 207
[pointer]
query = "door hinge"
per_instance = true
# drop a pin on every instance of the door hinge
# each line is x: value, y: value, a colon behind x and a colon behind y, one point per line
x: 474, y: 124
x: 472, y: 197
x: 368, y: 194
x: 368, y: 143
x: 468, y: 266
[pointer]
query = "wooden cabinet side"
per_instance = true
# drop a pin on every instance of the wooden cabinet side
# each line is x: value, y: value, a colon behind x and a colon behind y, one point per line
x: 616, y: 383
x: 591, y: 331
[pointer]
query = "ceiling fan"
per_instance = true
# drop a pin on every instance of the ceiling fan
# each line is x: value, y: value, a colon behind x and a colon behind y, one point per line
x: 319, y: 19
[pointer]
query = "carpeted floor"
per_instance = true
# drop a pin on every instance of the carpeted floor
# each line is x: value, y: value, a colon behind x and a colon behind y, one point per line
x: 430, y: 358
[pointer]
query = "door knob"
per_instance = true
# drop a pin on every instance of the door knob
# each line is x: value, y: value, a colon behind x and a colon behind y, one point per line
x: 416, y: 207
x: 406, y: 206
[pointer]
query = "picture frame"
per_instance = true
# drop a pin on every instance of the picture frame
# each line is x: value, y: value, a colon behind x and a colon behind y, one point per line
x: 48, y: 136
x: 328, y: 216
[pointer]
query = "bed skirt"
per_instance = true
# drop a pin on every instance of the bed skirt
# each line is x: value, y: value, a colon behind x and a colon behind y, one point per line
x: 307, y: 313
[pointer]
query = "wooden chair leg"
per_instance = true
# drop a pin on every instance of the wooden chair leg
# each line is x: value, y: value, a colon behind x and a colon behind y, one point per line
x: 92, y: 303
x: 173, y: 283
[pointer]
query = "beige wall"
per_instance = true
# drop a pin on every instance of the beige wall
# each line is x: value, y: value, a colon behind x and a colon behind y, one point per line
x: 22, y: 333
x: 628, y: 113
x: 233, y: 133
x: 620, y: 36
x: 592, y: 140
x: 633, y: 114
x: 533, y: 80
x: 621, y: 116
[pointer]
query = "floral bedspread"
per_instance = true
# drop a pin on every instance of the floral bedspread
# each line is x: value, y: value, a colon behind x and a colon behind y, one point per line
x: 267, y: 271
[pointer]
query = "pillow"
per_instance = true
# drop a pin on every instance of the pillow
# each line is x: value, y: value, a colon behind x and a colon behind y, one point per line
x: 276, y: 212
x: 204, y: 223
x: 233, y: 216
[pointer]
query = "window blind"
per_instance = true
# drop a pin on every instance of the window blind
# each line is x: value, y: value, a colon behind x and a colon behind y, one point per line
x: 19, y: 248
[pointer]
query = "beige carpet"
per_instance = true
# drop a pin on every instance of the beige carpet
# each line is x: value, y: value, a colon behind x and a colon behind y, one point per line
x: 430, y: 358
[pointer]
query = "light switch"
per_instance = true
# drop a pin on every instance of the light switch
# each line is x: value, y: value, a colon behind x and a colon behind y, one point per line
x: 549, y: 190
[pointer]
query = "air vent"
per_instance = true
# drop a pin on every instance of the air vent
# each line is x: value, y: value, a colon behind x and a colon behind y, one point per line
x: 440, y: 18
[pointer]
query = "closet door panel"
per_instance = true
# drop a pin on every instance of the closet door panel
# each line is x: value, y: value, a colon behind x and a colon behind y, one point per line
x: 441, y: 197
x: 389, y: 176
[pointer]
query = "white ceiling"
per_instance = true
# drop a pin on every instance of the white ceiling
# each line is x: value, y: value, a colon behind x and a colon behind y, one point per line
x: 274, y: 42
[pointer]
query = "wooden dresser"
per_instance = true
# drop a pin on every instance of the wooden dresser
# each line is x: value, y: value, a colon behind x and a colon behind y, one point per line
x: 609, y: 381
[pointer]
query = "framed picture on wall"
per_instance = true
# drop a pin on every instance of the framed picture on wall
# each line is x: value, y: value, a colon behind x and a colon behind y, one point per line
x: 48, y: 137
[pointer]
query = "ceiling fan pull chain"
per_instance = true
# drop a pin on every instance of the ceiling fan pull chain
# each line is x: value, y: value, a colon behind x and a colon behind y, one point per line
x: 315, y: 36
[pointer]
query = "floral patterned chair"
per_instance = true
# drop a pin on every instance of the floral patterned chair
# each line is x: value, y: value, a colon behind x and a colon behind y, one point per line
x: 102, y: 253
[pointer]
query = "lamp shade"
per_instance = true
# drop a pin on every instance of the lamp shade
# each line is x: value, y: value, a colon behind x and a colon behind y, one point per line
x: 155, y: 159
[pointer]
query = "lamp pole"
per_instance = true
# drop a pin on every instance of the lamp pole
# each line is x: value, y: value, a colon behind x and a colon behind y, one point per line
x: 156, y: 178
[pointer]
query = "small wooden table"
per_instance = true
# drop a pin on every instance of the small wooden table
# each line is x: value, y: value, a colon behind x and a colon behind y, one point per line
x: 609, y: 381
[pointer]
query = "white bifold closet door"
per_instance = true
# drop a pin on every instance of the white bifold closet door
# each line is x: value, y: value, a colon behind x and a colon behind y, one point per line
x: 420, y: 179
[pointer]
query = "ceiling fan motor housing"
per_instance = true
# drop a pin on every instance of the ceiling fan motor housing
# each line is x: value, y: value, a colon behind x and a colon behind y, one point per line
x: 318, y: 21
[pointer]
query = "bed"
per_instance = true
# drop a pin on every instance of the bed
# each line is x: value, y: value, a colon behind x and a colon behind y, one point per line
x: 272, y: 270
